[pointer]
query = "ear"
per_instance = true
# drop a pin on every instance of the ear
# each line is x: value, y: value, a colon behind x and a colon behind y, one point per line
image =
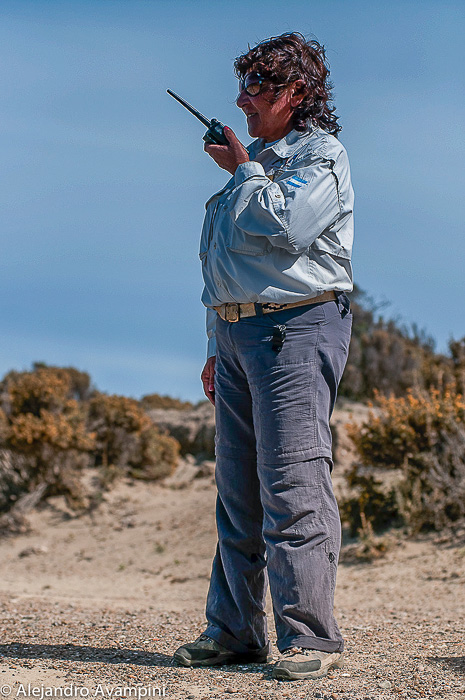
x: 297, y: 93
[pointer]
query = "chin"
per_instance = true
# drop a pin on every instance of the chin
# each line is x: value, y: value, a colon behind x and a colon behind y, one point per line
x: 254, y: 129
x: 256, y: 134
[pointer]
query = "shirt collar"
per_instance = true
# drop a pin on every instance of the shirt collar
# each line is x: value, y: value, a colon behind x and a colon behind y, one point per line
x: 285, y: 147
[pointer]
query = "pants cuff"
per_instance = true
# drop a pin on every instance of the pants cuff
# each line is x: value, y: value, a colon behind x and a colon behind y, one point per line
x: 306, y: 642
x: 231, y: 642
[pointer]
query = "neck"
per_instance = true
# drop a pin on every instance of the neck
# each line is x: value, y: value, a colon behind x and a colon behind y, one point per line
x: 277, y: 135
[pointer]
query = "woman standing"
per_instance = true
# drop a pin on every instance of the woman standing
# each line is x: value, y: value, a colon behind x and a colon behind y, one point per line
x: 275, y: 249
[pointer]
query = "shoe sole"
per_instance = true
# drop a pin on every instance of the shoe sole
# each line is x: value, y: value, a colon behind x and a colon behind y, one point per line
x: 284, y: 674
x: 237, y: 659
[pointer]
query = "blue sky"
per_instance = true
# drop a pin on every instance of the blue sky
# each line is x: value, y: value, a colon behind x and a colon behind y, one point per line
x: 104, y: 175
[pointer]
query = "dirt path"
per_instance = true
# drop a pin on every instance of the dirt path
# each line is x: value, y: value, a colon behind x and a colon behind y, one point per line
x: 96, y: 605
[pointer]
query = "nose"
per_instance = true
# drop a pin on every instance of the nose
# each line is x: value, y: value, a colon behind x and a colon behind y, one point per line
x: 242, y: 99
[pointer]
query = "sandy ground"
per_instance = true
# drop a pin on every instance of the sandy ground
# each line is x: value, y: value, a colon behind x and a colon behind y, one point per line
x: 95, y: 606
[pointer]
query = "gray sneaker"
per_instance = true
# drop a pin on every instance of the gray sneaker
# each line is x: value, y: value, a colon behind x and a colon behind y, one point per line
x: 297, y: 664
x: 207, y: 652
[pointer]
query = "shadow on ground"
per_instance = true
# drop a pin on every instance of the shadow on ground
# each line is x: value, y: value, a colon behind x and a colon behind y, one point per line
x: 72, y: 652
x: 454, y: 663
x: 108, y: 655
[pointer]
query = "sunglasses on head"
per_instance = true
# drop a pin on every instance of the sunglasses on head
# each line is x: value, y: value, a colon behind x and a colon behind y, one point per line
x: 252, y: 84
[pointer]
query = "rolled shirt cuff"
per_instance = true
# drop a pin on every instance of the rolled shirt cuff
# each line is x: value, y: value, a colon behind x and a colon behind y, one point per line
x: 246, y: 170
x: 211, y: 347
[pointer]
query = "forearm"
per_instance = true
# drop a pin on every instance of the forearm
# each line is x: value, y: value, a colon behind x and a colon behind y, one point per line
x: 291, y: 212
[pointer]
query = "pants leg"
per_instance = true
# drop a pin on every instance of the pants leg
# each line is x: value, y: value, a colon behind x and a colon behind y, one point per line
x: 273, y: 475
x: 236, y: 599
x: 303, y: 537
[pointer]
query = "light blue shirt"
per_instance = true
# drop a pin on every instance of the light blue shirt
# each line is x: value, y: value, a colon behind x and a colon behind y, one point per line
x: 281, y: 229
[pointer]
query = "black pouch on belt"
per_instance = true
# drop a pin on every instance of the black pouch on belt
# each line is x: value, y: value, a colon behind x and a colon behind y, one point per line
x: 343, y: 303
x: 277, y: 340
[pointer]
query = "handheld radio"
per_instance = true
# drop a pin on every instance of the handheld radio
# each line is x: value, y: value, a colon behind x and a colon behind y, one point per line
x: 215, y: 134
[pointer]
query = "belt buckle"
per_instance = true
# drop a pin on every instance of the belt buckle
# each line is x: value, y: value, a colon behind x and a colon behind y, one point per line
x: 231, y: 312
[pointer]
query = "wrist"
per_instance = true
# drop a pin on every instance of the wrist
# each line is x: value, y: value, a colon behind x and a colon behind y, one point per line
x: 239, y: 162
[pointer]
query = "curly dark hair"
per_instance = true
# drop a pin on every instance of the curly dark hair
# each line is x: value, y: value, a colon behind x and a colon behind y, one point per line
x: 289, y: 57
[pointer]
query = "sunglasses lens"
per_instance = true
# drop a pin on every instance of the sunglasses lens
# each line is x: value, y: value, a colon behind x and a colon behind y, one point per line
x: 251, y: 83
x: 253, y: 89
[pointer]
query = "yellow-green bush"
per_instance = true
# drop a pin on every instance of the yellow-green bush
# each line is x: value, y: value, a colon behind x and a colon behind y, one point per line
x: 150, y: 401
x: 127, y: 440
x: 52, y: 425
x: 406, y: 425
x: 422, y: 435
x: 80, y: 386
x: 46, y: 433
x: 387, y: 357
x: 374, y: 503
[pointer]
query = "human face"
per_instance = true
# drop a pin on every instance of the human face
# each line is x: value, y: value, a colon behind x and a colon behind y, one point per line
x: 266, y: 120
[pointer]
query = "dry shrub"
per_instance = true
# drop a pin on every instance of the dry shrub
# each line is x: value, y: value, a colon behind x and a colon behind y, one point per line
x: 432, y: 496
x: 369, y: 546
x: 457, y: 351
x: 14, y: 474
x: 150, y: 401
x: 387, y: 357
x: 52, y: 426
x: 422, y: 436
x: 79, y: 382
x: 44, y: 430
x: 373, y: 503
x: 127, y: 441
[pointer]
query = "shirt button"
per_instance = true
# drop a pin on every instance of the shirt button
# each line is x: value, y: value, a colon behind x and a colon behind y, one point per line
x: 214, y: 245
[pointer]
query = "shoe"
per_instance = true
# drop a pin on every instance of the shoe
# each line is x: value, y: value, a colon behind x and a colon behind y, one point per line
x: 298, y: 664
x: 208, y: 652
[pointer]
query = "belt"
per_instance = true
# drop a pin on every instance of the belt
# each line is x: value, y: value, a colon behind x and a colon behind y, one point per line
x: 232, y: 312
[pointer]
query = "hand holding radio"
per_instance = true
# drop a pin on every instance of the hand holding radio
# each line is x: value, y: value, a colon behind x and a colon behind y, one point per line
x: 230, y: 156
x: 221, y: 143
x: 215, y: 133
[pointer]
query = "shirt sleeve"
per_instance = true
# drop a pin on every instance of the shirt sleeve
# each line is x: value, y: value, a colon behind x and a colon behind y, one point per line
x: 211, y: 332
x: 291, y: 212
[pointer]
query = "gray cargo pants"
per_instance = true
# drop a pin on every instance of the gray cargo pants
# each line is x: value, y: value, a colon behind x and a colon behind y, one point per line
x: 276, y: 511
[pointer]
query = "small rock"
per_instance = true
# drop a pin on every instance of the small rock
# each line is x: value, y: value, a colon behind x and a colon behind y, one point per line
x: 186, y: 471
x: 33, y: 550
x: 128, y: 522
x: 229, y: 689
x: 421, y: 668
x: 206, y: 469
x: 193, y: 428
x: 385, y: 684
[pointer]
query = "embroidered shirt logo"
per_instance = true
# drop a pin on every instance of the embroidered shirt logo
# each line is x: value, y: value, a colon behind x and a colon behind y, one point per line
x: 297, y: 181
